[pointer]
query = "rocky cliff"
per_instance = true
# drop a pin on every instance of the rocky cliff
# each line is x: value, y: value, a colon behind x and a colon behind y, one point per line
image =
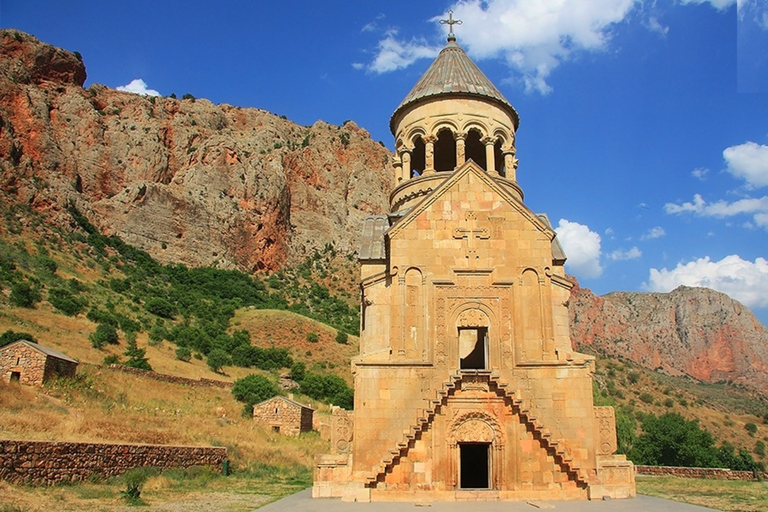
x: 185, y: 180
x: 689, y: 331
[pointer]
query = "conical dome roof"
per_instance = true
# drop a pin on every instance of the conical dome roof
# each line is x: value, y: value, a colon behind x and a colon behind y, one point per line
x: 454, y: 73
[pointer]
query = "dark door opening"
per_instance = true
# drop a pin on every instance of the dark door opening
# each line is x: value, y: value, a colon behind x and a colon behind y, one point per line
x: 15, y: 376
x: 473, y: 347
x: 474, y: 465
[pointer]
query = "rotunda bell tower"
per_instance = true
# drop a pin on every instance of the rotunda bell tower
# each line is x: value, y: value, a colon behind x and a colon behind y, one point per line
x: 453, y: 114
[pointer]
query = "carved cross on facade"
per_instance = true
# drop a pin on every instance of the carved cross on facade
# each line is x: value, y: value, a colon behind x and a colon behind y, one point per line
x: 471, y: 233
x: 450, y: 22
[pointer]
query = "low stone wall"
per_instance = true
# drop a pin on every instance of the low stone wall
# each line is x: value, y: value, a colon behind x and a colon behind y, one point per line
x: 705, y: 473
x: 49, y: 463
x: 201, y: 382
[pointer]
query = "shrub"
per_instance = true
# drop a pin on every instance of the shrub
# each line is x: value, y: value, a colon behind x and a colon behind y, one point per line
x: 105, y: 334
x: 760, y: 448
x: 671, y: 440
x: 298, y: 371
x: 183, y: 354
x: 134, y: 480
x: 24, y: 296
x: 341, y: 337
x: 669, y: 402
x: 251, y: 390
x: 646, y: 398
x: 312, y: 337
x: 64, y: 301
x: 9, y: 337
x: 633, y: 377
x: 331, y: 388
x: 217, y: 359
x: 111, y: 359
x: 160, y: 307
x: 751, y: 428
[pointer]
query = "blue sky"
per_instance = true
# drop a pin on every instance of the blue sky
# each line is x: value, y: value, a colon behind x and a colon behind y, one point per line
x: 644, y: 124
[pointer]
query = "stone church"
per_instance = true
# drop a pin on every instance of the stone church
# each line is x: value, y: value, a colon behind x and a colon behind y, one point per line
x: 466, y: 386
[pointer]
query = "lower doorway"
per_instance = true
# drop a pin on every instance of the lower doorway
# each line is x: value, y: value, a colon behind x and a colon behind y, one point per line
x: 474, y: 465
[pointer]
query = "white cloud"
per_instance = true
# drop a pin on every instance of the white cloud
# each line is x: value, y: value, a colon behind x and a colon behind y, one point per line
x: 655, y: 25
x: 394, y: 54
x: 620, y: 255
x: 653, y: 233
x: 748, y: 161
x: 743, y: 280
x: 700, y: 173
x: 720, y: 5
x: 582, y: 247
x: 532, y: 37
x: 138, y: 86
x: 757, y: 207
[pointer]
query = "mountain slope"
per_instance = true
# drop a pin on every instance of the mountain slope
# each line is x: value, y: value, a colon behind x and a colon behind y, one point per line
x: 185, y: 180
x: 690, y: 331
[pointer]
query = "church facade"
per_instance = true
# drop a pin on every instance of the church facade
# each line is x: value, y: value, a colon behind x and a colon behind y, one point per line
x: 466, y: 386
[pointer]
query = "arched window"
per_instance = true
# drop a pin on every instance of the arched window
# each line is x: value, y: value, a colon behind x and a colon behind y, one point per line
x: 475, y: 149
x: 418, y: 157
x: 498, y: 158
x: 445, y: 151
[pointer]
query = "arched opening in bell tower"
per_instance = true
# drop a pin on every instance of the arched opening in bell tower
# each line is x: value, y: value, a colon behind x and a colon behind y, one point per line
x: 498, y: 158
x: 418, y: 157
x: 475, y: 149
x: 445, y: 151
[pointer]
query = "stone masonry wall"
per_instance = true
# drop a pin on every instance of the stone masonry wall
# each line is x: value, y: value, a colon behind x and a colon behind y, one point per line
x: 201, y: 382
x: 49, y: 463
x: 291, y: 418
x: 705, y: 473
x: 28, y: 362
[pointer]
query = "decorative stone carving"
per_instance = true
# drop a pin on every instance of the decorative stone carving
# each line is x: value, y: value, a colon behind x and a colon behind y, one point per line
x: 472, y: 318
x: 341, y: 430
x: 475, y: 427
x: 605, y: 423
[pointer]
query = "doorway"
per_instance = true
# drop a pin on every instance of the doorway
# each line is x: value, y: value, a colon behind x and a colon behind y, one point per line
x: 15, y: 376
x: 474, y: 464
x: 473, y: 348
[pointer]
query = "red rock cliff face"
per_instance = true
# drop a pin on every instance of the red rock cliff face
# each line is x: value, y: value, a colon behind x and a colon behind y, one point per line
x: 185, y: 180
x: 689, y: 331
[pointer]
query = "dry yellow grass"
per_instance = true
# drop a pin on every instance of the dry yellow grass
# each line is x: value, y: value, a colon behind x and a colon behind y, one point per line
x: 718, y: 494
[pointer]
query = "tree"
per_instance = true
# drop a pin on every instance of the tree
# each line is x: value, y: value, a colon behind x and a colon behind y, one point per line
x: 253, y: 389
x: 671, y: 440
x: 104, y: 334
x: 183, y: 354
x: 341, y: 337
x: 10, y: 336
x: 160, y: 307
x: 136, y: 356
x: 24, y: 296
x: 298, y: 371
x: 217, y: 359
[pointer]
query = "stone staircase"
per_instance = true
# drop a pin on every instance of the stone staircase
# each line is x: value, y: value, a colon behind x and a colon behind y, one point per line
x: 425, y: 417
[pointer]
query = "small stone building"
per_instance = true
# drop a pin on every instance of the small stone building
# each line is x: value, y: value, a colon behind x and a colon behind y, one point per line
x: 32, y: 364
x: 284, y: 415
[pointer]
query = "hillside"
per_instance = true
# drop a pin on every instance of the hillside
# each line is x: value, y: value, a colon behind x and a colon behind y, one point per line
x: 696, y: 332
x: 185, y: 180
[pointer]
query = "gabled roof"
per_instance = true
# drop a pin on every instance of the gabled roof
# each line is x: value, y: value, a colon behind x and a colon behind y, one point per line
x: 372, y: 246
x: 286, y: 399
x: 42, y: 349
x: 470, y: 167
x: 454, y: 73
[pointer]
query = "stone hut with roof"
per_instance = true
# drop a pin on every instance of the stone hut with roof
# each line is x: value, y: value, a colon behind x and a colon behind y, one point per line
x: 32, y: 364
x: 466, y: 386
x: 284, y: 415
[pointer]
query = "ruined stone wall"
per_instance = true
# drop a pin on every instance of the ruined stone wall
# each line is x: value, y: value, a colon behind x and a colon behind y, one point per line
x: 201, y: 382
x: 49, y: 463
x: 706, y: 473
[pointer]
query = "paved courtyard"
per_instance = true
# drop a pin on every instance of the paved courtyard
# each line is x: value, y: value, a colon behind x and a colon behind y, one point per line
x: 303, y: 502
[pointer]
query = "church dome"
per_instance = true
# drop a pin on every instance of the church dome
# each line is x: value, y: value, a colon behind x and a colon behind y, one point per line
x: 453, y: 74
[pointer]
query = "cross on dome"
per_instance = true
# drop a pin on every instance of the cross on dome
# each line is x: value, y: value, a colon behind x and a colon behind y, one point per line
x: 450, y: 22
